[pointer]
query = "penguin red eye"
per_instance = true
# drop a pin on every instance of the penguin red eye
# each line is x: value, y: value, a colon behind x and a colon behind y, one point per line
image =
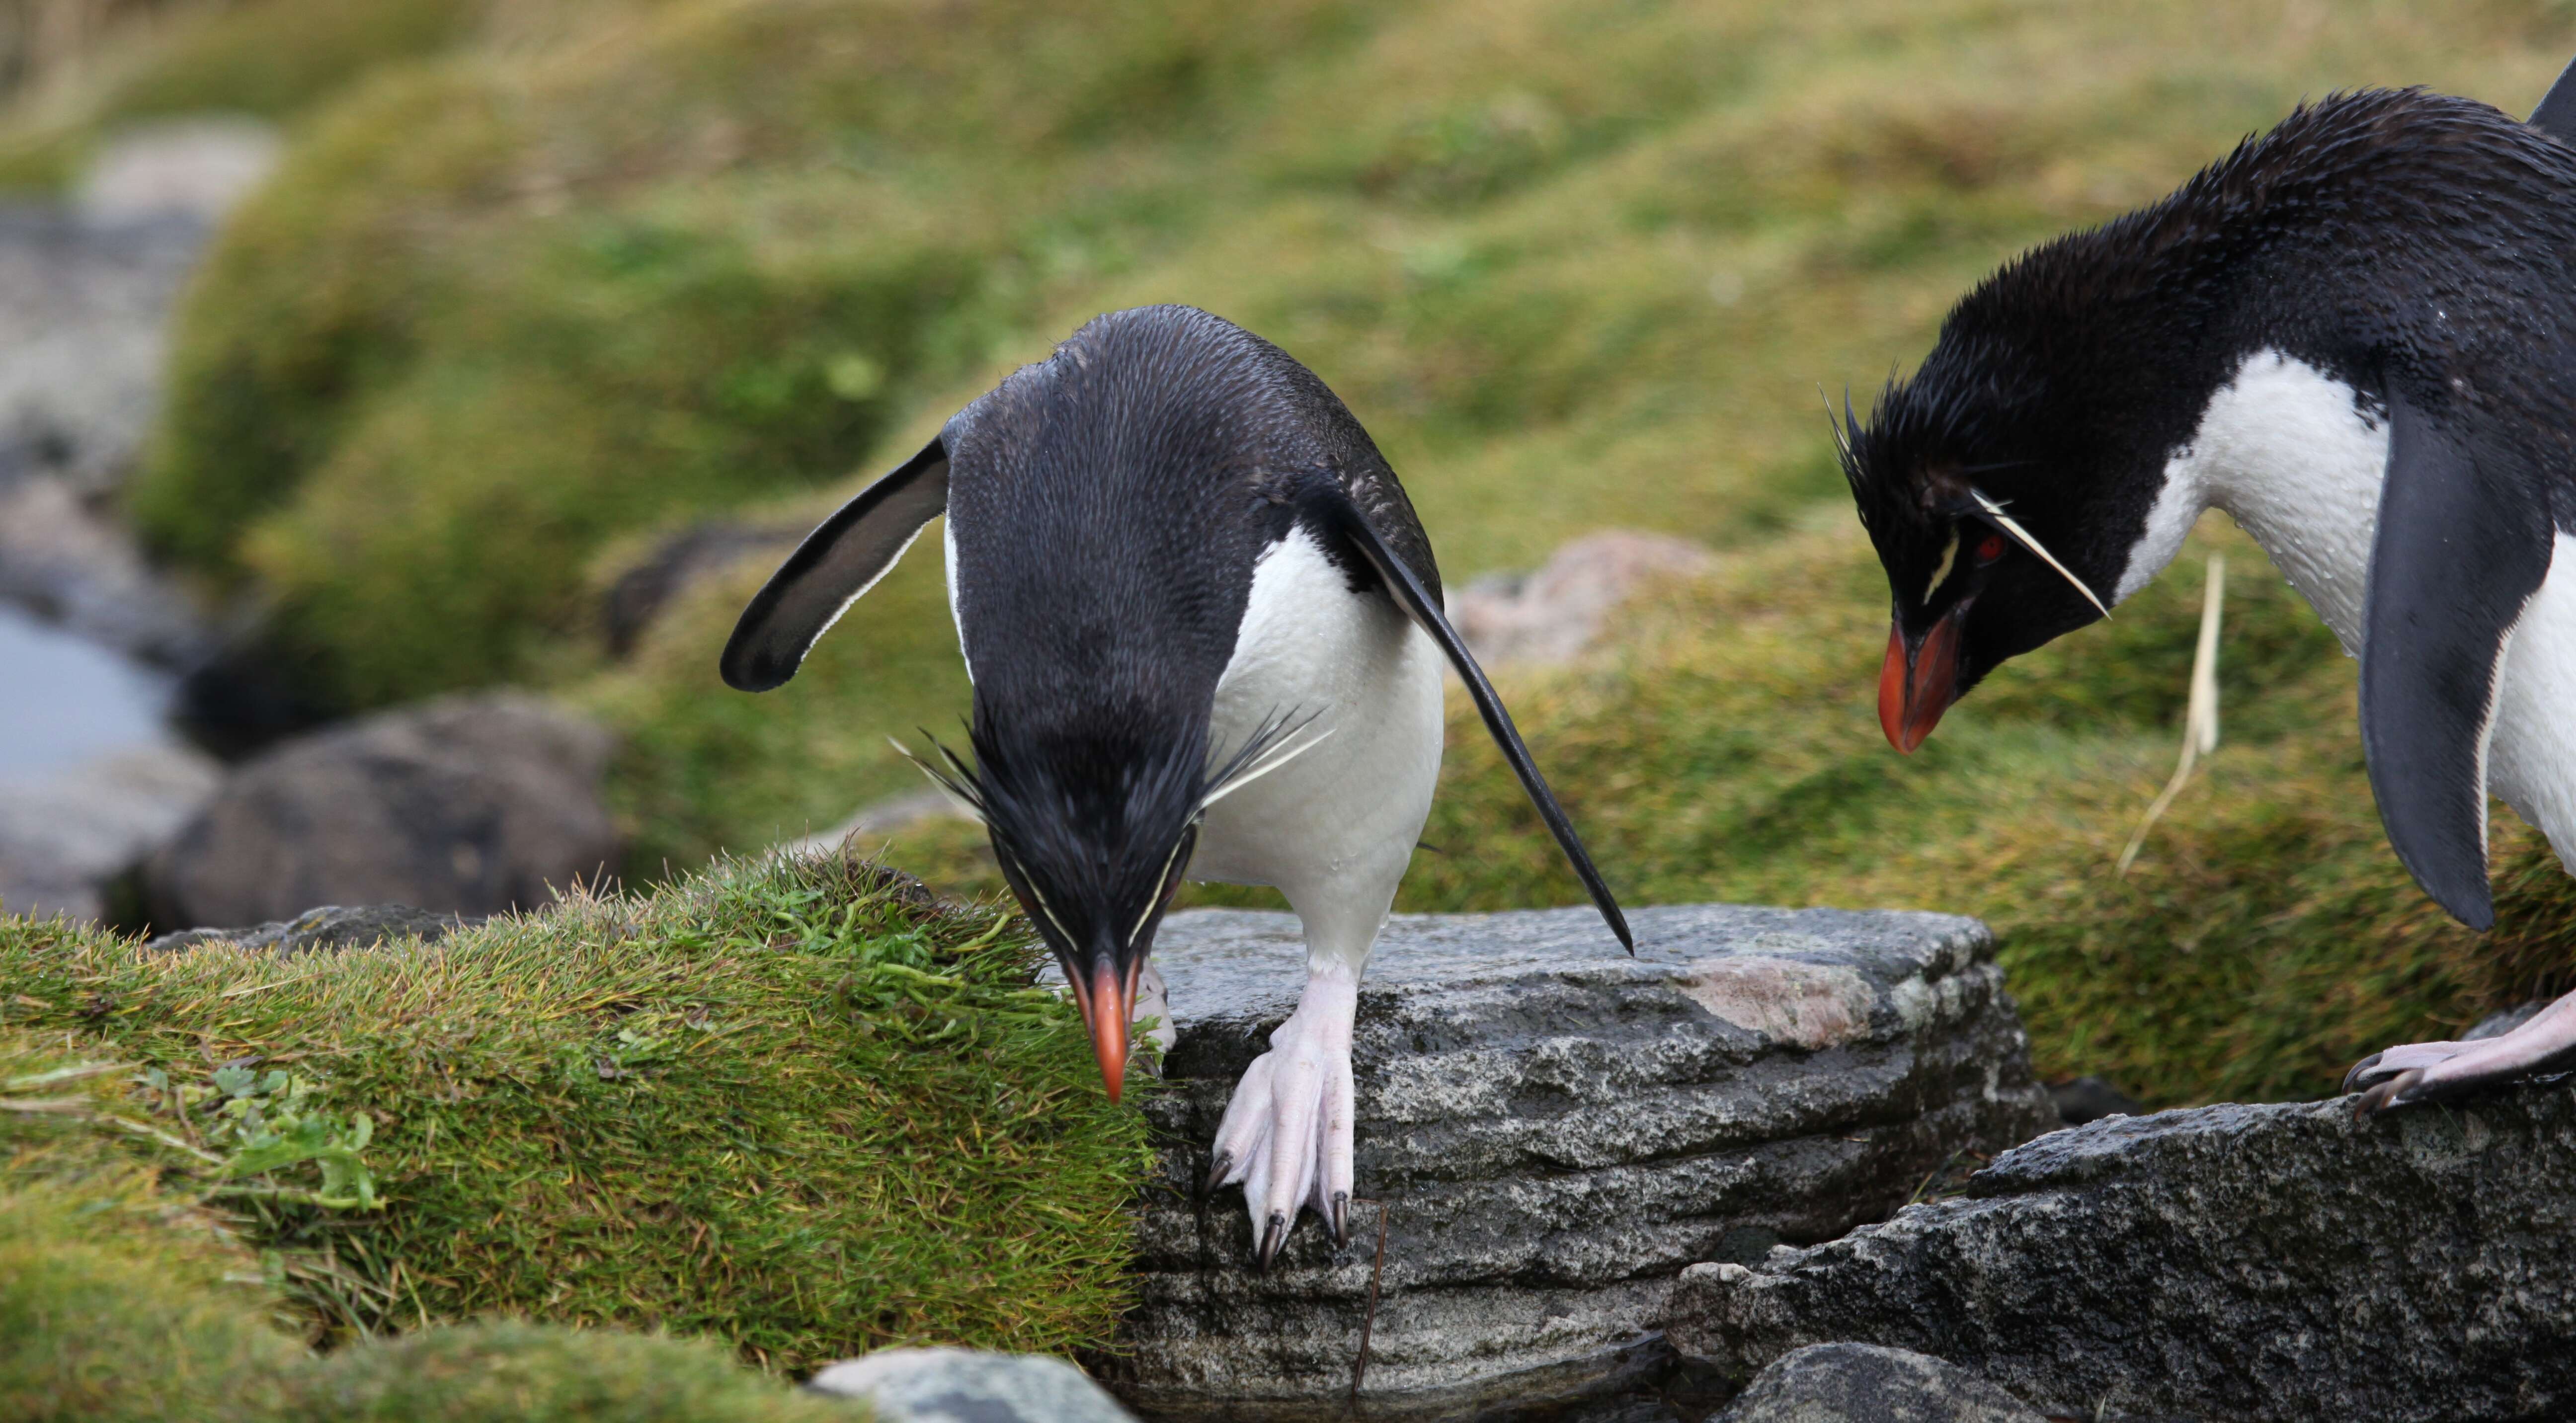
x: 1991, y: 548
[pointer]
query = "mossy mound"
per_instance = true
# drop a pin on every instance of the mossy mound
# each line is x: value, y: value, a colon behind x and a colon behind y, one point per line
x: 118, y: 1299
x: 794, y: 1108
x: 127, y: 1293
x: 528, y: 1373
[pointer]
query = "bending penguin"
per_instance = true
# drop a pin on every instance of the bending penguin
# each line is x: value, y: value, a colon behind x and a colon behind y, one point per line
x: 1205, y: 634
x: 2357, y: 335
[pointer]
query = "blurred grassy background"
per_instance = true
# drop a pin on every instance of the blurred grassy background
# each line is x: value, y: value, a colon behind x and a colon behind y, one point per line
x: 543, y: 282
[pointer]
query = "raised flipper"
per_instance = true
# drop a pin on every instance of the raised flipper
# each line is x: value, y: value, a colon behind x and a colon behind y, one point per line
x: 2464, y: 540
x: 2556, y: 115
x: 1342, y: 521
x: 843, y: 558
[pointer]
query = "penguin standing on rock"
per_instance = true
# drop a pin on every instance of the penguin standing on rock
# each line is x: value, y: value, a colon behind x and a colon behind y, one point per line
x: 2357, y: 335
x: 1205, y: 633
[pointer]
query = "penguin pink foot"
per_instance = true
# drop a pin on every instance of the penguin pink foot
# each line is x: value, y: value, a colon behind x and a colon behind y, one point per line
x: 2424, y: 1072
x: 1287, y: 1134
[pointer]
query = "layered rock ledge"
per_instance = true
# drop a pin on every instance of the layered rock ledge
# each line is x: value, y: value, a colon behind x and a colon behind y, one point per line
x: 1549, y: 1132
x: 2236, y: 1262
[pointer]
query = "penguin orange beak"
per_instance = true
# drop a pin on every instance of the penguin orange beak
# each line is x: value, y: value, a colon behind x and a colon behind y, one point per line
x: 1108, y: 1005
x: 1919, y: 680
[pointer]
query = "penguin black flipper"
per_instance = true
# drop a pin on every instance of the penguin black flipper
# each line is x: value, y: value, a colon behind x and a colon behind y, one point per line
x: 2556, y: 115
x: 2464, y: 540
x: 843, y: 558
x: 1342, y: 521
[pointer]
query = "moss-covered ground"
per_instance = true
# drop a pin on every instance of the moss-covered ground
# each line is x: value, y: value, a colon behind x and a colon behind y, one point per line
x: 129, y: 1292
x: 536, y: 290
x: 793, y: 1108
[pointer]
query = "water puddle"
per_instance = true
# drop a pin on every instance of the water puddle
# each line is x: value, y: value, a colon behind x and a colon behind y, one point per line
x: 66, y: 701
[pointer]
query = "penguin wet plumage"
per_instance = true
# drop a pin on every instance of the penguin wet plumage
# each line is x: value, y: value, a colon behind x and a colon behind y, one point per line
x: 2357, y: 335
x: 1205, y: 633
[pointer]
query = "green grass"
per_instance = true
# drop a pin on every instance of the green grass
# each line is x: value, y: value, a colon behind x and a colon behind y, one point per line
x: 128, y: 1291
x: 518, y: 306
x: 790, y: 1108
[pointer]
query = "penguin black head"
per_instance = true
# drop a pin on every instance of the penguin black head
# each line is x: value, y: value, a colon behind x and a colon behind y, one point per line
x: 1973, y: 490
x: 1092, y: 819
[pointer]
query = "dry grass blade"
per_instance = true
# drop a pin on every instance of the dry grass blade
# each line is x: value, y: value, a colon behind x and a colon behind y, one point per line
x: 2200, y: 712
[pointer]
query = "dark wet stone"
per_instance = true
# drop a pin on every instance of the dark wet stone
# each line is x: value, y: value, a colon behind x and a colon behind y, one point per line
x: 2090, y: 1099
x: 333, y: 926
x: 471, y: 805
x: 2239, y: 1263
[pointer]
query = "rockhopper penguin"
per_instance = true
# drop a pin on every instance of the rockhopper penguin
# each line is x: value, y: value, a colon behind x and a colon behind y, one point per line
x: 2357, y: 335
x: 1205, y: 634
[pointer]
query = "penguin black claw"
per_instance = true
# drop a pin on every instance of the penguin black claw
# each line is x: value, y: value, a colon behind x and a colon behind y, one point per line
x: 2359, y: 1075
x: 2357, y: 335
x: 1274, y: 1233
x: 1205, y: 633
x: 1341, y: 1218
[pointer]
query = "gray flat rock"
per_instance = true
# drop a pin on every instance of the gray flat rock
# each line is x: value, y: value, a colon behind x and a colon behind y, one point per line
x: 2226, y: 1263
x: 1549, y: 1131
x: 968, y: 1386
x: 1864, y: 1383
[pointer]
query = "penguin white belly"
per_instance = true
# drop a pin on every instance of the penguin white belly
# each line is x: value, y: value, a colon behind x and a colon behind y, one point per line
x: 1335, y: 827
x: 2531, y: 751
x: 2295, y: 457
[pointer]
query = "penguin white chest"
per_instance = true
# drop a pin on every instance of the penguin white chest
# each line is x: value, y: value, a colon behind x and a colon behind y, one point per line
x: 1346, y: 812
x: 2299, y: 460
x: 2294, y: 456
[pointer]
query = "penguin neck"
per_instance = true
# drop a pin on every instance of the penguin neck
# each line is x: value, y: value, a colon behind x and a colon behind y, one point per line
x: 2295, y: 455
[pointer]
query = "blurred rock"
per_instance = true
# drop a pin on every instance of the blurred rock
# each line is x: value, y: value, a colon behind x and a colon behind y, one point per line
x: 2496, y: 1025
x: 85, y: 300
x: 192, y: 169
x: 82, y: 309
x: 1552, y: 615
x: 969, y: 1386
x: 2090, y: 1099
x: 471, y: 805
x: 2238, y: 1262
x: 1549, y: 1131
x: 332, y: 926
x: 1862, y: 1383
x: 63, y: 840
x: 641, y: 593
x: 71, y: 564
x: 881, y: 818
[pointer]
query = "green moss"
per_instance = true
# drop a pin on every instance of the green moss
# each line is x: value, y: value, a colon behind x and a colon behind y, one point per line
x: 539, y: 1374
x: 118, y: 1299
x: 273, y: 58
x: 124, y: 1296
x: 788, y: 1109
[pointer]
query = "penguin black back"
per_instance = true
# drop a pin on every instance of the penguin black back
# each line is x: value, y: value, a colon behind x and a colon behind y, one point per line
x: 1124, y: 489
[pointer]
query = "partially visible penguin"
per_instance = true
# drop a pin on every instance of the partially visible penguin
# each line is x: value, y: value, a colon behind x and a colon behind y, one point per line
x: 2357, y: 335
x: 1205, y: 634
